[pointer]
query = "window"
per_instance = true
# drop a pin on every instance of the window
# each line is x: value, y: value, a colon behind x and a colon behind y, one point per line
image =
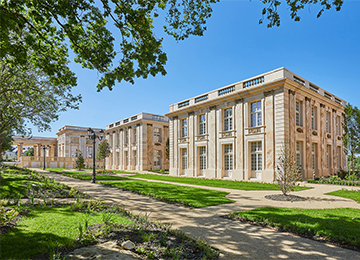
x: 255, y: 114
x: 126, y: 141
x: 184, y: 128
x: 299, y: 155
x: 338, y: 125
x: 118, y: 139
x: 256, y: 156
x: 328, y: 147
x: 313, y: 156
x: 157, y: 158
x: 184, y: 159
x: 135, y: 157
x: 126, y: 159
x: 339, y: 156
x: 157, y: 135
x: 328, y: 122
x: 134, y: 135
x: 202, y: 124
x: 111, y: 141
x: 298, y: 113
x: 228, y: 121
x: 228, y: 157
x: 313, y: 118
x: 202, y: 157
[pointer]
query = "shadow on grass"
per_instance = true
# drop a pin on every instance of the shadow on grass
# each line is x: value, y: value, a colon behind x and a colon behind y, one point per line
x: 14, y: 185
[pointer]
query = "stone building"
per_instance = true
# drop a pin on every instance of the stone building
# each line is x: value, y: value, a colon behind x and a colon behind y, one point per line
x: 138, y: 143
x: 238, y: 131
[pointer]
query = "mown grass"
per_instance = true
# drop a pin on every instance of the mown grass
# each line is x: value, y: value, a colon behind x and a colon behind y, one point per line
x: 341, y: 225
x: 350, y: 194
x: 45, y: 229
x: 14, y: 185
x: 190, y: 196
x: 98, y: 177
x: 228, y: 184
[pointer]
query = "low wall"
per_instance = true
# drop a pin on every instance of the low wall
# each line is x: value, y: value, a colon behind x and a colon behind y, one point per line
x: 55, y: 162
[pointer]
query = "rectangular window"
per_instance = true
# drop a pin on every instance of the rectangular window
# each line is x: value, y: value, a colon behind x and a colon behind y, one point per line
x: 255, y: 114
x: 339, y: 156
x: 256, y: 156
x: 157, y: 158
x: 184, y: 159
x: 184, y: 132
x: 299, y: 154
x: 118, y: 139
x: 202, y: 158
x: 134, y: 135
x: 328, y: 116
x: 328, y: 153
x: 228, y: 120
x: 135, y: 157
x: 313, y: 156
x: 338, y: 125
x: 157, y: 135
x: 126, y: 141
x: 228, y: 157
x: 126, y: 159
x: 202, y: 124
x: 313, y: 118
x: 298, y: 113
x: 111, y: 141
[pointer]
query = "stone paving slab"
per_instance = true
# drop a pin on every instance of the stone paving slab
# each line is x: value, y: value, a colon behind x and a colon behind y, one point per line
x: 235, y: 240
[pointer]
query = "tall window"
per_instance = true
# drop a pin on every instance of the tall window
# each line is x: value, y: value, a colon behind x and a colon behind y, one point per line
x: 202, y: 157
x: 298, y: 113
x: 134, y: 135
x: 184, y: 159
x: 228, y: 157
x: 328, y: 147
x: 126, y: 141
x: 202, y: 124
x: 255, y: 114
x: 126, y: 158
x: 135, y: 157
x: 299, y: 154
x: 313, y: 156
x: 118, y: 139
x: 328, y: 122
x: 157, y: 135
x: 157, y: 158
x: 184, y: 127
x: 339, y: 157
x: 228, y: 121
x: 256, y: 156
x: 338, y: 125
x: 111, y: 140
x: 313, y: 118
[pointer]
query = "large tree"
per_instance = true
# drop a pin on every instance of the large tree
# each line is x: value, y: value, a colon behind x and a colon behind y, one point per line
x: 47, y: 26
x: 351, y: 136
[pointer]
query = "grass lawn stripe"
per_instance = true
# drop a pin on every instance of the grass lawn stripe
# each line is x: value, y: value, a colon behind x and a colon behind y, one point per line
x: 195, y: 197
x: 341, y: 224
x: 350, y: 194
x: 228, y: 184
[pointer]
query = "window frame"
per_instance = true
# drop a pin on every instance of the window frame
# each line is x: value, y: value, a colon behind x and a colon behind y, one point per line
x: 256, y: 156
x: 184, y: 128
x: 313, y: 118
x: 298, y: 113
x: 184, y: 158
x: 328, y: 122
x: 202, y: 158
x: 157, y: 135
x: 299, y: 159
x: 228, y: 155
x: 202, y: 124
x: 257, y: 113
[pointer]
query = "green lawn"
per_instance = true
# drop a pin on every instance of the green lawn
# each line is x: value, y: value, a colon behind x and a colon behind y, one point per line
x: 342, y: 225
x: 228, y: 184
x: 194, y: 197
x: 45, y: 229
x: 98, y: 177
x: 14, y: 185
x: 350, y: 194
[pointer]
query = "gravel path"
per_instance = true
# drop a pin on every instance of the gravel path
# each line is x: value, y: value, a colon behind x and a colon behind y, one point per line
x: 235, y: 240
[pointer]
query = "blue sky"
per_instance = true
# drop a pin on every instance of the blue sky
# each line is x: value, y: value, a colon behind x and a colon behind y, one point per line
x: 325, y: 51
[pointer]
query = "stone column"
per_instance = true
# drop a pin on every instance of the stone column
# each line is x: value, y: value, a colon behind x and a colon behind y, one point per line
x: 269, y: 137
x: 121, y: 150
x: 191, y: 152
x: 239, y: 158
x: 212, y: 142
x: 323, y: 144
x: 20, y: 149
x: 171, y: 145
x: 308, y: 144
x: 334, y: 142
x: 150, y: 146
x: 292, y: 119
x: 175, y: 147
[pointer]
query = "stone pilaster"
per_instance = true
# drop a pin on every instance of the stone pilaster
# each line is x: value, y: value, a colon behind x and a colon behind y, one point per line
x: 292, y: 121
x: 335, y: 165
x: 175, y: 146
x: 308, y: 141
x: 239, y: 126
x: 150, y: 150
x: 191, y: 149
x: 212, y: 156
x: 323, y: 143
x: 269, y: 137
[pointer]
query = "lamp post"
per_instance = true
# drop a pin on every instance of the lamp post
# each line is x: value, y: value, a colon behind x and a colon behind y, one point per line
x: 92, y: 135
x: 44, y: 147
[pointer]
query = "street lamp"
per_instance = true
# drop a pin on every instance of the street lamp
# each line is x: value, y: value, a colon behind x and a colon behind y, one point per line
x: 92, y: 135
x: 44, y: 147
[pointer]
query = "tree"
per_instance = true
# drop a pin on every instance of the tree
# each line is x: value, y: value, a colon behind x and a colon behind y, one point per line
x: 27, y: 94
x: 103, y: 151
x: 47, y: 26
x: 80, y: 162
x: 30, y: 152
x: 351, y: 138
x: 167, y: 149
x: 288, y: 173
x: 5, y: 141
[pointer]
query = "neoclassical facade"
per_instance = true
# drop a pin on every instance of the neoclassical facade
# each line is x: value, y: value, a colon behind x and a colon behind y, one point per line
x: 238, y: 131
x: 138, y: 143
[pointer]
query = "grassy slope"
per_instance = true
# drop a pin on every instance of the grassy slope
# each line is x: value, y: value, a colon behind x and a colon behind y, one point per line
x: 46, y: 227
x: 228, y: 184
x: 342, y: 225
x: 195, y: 197
x: 14, y: 185
x: 350, y: 194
